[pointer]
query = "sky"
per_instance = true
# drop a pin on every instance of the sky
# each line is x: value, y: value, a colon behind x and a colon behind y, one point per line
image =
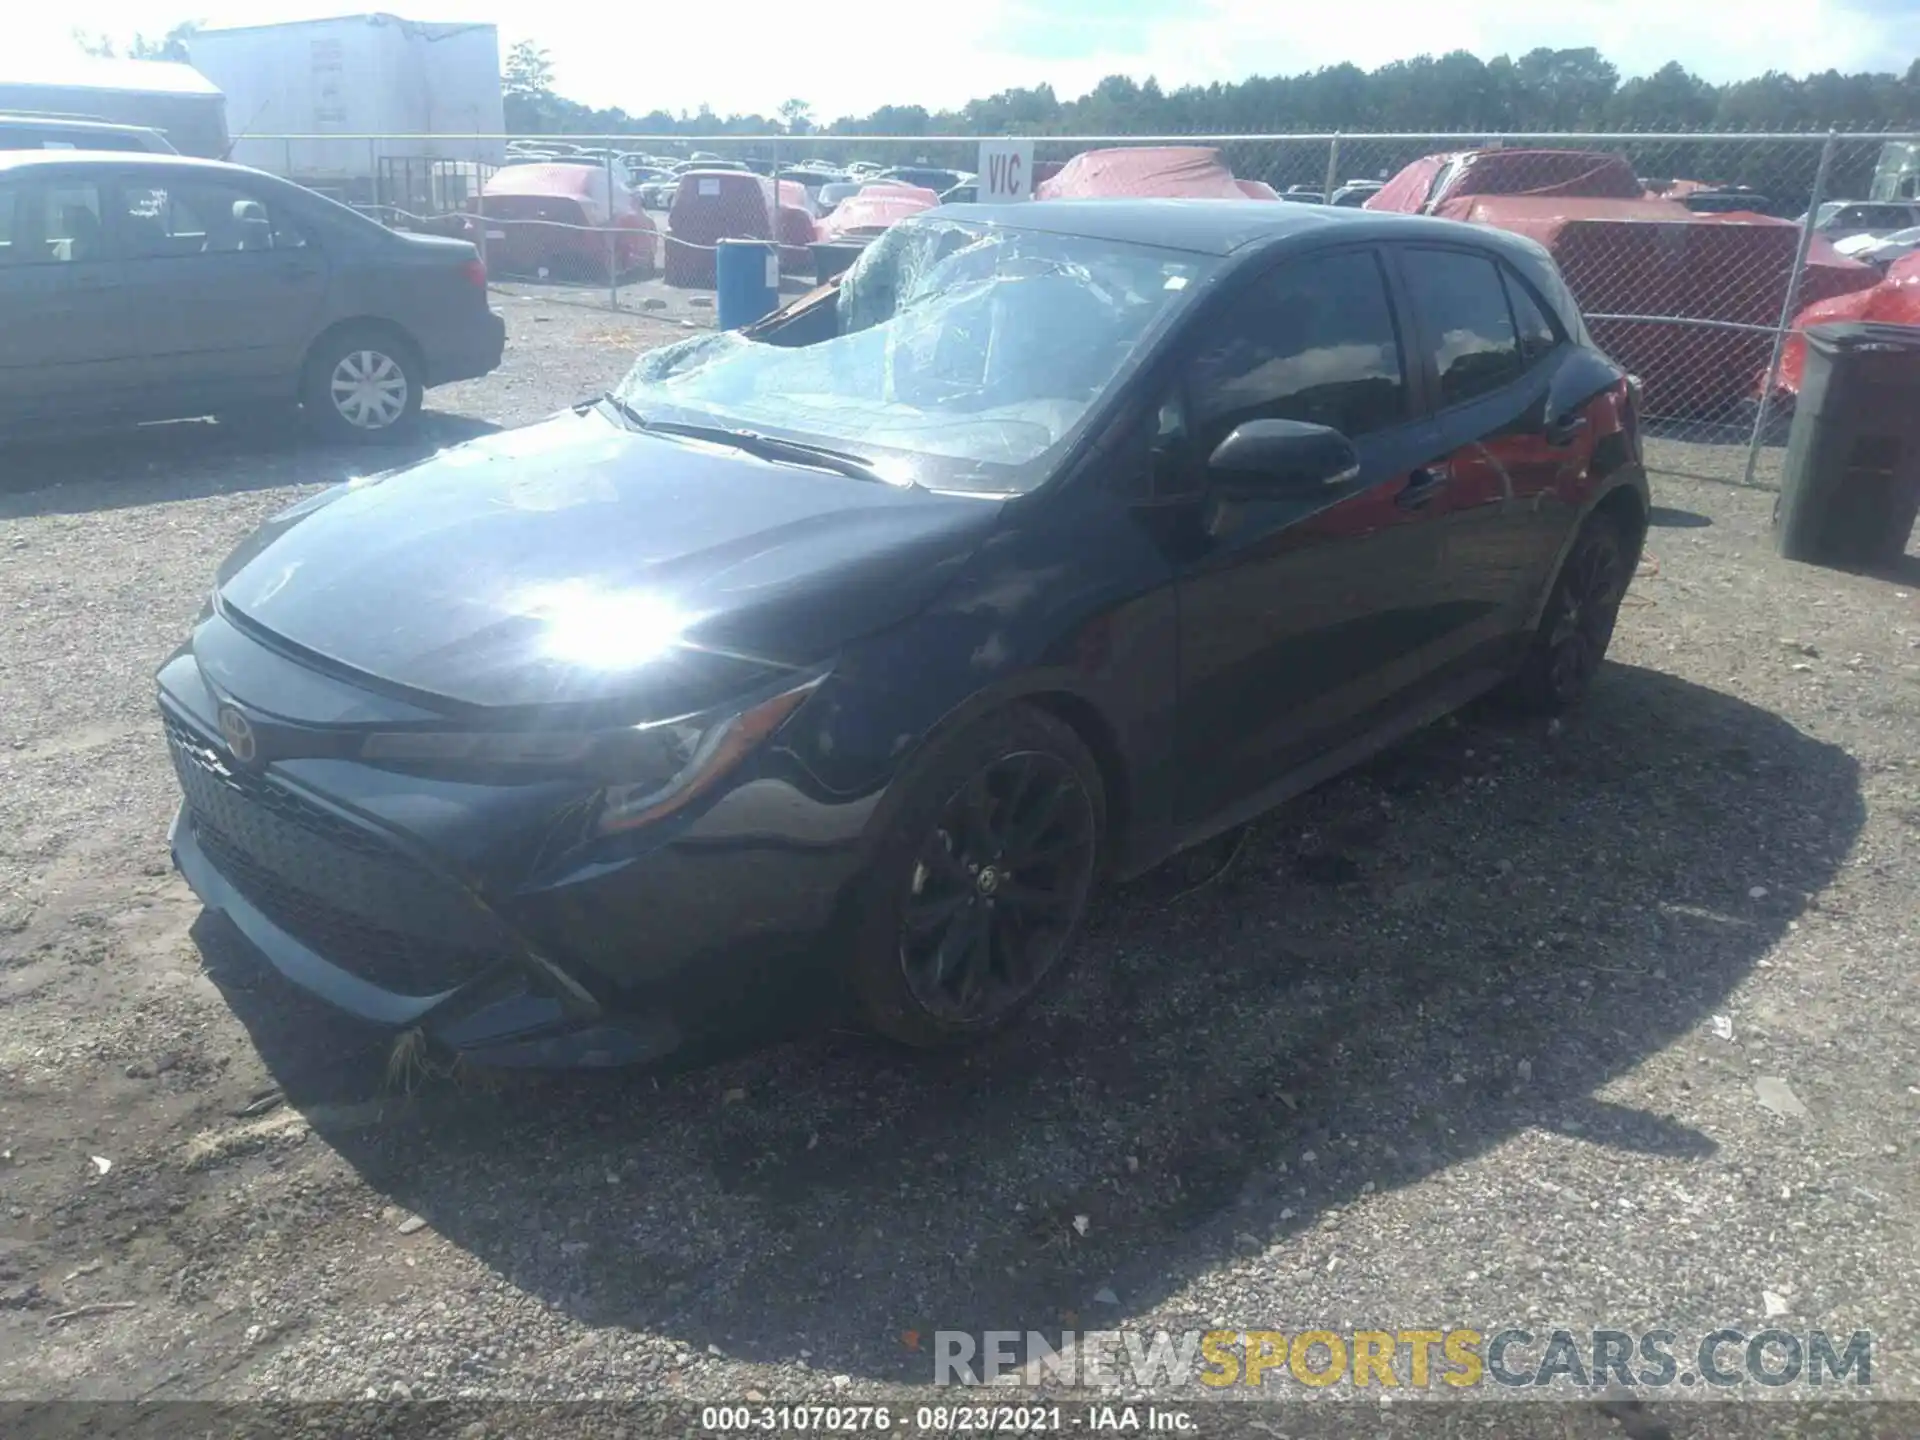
x: 750, y: 55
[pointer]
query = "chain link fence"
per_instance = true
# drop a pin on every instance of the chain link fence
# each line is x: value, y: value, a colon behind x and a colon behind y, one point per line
x: 1690, y: 254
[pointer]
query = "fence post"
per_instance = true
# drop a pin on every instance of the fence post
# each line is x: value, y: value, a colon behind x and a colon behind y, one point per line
x: 373, y: 173
x: 613, y: 258
x: 1789, y: 305
x: 480, y: 212
x: 1333, y: 168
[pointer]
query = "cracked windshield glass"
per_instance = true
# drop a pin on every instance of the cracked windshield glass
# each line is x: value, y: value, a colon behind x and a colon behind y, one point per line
x: 969, y: 351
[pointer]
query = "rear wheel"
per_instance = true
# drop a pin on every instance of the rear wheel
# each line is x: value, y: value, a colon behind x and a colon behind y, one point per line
x: 983, y: 880
x: 1577, y: 625
x: 363, y: 385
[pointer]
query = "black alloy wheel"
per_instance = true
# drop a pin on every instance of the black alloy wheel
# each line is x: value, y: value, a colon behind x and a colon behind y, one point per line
x: 1577, y: 625
x: 997, y: 888
x: 1581, y: 625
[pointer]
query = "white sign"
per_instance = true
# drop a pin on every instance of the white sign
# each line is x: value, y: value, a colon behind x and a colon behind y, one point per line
x: 709, y: 187
x: 1006, y: 170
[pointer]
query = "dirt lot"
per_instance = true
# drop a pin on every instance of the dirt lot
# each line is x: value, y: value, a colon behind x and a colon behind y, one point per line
x: 1473, y: 1037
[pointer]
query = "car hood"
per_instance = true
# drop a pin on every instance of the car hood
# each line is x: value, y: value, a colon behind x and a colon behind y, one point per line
x: 579, y: 562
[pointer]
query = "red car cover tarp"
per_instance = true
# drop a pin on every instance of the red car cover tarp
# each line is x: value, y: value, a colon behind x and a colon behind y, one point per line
x: 714, y: 205
x: 1657, y: 258
x: 874, y: 208
x: 1894, y: 301
x: 1189, y: 172
x: 1534, y: 173
x: 1406, y: 192
x: 543, y: 214
x: 1506, y: 172
x: 581, y: 182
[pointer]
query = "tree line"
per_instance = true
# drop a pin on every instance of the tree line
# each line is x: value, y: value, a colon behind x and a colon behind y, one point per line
x: 1542, y: 90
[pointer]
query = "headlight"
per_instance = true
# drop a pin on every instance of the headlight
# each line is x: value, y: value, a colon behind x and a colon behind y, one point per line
x: 680, y: 759
x: 649, y: 770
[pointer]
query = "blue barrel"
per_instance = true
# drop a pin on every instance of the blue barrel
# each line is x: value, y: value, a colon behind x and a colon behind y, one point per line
x: 746, y: 279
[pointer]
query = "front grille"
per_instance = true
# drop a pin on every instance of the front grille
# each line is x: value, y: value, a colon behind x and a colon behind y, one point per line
x: 406, y: 964
x: 340, y: 889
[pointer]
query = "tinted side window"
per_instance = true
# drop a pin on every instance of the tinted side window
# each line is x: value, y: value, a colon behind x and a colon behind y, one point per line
x: 1464, y: 312
x: 200, y: 218
x: 51, y: 224
x: 1537, y: 332
x: 1314, y: 341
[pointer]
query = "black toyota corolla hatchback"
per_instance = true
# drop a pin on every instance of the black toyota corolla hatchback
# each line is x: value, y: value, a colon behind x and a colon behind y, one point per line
x: 826, y: 668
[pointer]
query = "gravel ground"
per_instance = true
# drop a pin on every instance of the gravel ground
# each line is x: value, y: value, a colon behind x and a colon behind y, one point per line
x: 1473, y: 1037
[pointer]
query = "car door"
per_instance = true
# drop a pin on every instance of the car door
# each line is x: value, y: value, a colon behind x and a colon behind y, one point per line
x: 64, y: 349
x: 1505, y: 441
x: 1301, y: 621
x: 224, y: 290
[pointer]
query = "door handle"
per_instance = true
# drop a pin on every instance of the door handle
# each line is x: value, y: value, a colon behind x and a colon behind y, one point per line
x: 1422, y: 485
x: 1566, y: 429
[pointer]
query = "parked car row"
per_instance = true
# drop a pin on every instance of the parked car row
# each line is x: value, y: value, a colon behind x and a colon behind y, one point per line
x: 574, y: 216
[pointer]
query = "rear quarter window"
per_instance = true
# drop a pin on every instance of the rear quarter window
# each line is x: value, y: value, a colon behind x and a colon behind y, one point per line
x: 1465, y: 322
x: 1538, y: 334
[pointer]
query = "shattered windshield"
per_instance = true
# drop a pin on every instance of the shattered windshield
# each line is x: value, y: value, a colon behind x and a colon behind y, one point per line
x: 961, y: 354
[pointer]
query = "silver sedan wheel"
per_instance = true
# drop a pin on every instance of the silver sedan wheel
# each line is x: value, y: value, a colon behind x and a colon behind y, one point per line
x: 369, y: 389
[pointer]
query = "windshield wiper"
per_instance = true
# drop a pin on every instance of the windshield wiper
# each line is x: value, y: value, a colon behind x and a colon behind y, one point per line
x: 632, y: 417
x: 767, y: 447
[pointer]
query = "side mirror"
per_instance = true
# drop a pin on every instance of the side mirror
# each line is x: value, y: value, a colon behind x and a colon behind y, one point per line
x: 1281, y: 460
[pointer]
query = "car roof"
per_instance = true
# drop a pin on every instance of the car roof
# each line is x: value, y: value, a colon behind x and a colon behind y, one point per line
x: 26, y: 160
x: 32, y: 120
x: 1214, y: 227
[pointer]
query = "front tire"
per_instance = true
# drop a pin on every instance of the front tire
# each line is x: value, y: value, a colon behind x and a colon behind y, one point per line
x: 982, y: 880
x: 1577, y: 624
x: 363, y: 386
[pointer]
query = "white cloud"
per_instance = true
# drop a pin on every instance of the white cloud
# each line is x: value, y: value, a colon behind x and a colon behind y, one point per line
x: 1718, y: 39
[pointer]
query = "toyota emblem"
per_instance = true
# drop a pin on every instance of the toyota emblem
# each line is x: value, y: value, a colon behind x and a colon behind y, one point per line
x: 238, y: 731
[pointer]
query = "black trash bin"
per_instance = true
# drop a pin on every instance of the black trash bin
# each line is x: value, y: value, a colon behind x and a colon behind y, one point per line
x: 1852, y: 484
x: 832, y: 257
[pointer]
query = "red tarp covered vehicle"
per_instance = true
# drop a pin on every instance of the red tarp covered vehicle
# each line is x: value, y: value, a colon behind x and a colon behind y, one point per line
x: 1894, y: 301
x: 1191, y: 172
x: 555, y: 218
x: 1438, y: 184
x: 1656, y: 258
x: 714, y: 205
x: 878, y: 205
x: 1624, y: 254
